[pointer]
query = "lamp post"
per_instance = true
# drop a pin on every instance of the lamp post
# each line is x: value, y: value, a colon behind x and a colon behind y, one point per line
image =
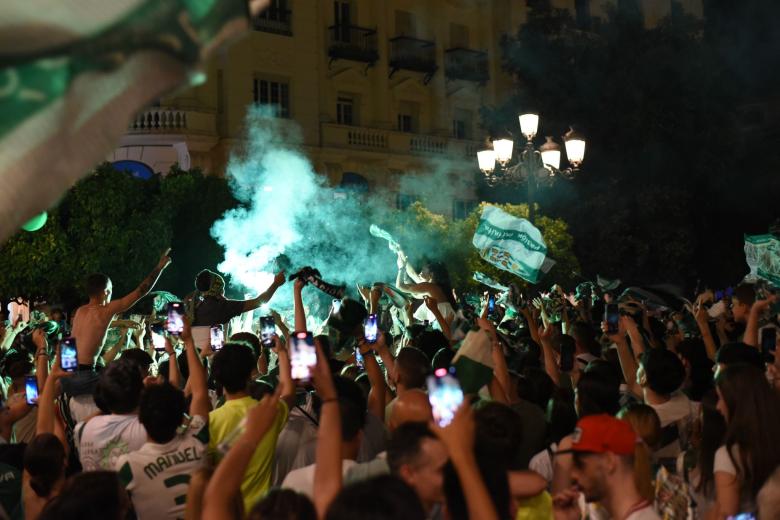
x: 533, y: 166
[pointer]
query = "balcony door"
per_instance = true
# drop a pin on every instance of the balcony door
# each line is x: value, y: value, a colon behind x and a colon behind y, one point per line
x: 342, y: 17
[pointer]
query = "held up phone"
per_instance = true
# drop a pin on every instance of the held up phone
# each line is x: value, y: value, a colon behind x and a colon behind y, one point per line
x: 359, y: 361
x: 31, y: 387
x: 175, y: 322
x: 370, y: 328
x: 217, y: 338
x: 612, y: 317
x: 768, y: 341
x: 158, y: 340
x: 336, y: 306
x: 567, y: 357
x: 445, y: 395
x: 303, y: 355
x: 491, y: 305
x: 267, y: 330
x: 69, y: 360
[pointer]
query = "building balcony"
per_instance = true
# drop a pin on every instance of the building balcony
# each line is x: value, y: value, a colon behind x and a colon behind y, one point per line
x: 412, y: 54
x: 276, y: 21
x: 466, y: 64
x: 395, y: 142
x: 350, y: 42
x: 174, y: 121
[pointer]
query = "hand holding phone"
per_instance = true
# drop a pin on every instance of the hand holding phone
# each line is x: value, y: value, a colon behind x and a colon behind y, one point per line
x: 267, y: 331
x: 69, y: 360
x: 175, y: 322
x: 359, y: 361
x: 217, y: 338
x: 612, y: 317
x: 31, y: 389
x: 445, y: 395
x: 370, y: 329
x: 303, y: 356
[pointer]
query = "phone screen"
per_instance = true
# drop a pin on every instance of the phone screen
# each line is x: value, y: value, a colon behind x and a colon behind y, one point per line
x: 217, y: 338
x: 370, y: 330
x: 336, y: 306
x: 768, y: 340
x: 491, y: 305
x: 158, y: 341
x: 68, y: 355
x: 31, y: 387
x: 445, y: 395
x: 303, y: 356
x: 612, y: 317
x: 175, y: 322
x: 567, y: 357
x: 267, y: 330
x: 359, y: 361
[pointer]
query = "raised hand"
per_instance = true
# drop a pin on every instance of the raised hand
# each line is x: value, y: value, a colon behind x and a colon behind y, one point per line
x: 279, y: 279
x: 165, y: 259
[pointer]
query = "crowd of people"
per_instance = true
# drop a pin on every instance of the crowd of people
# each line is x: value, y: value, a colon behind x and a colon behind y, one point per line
x: 599, y: 404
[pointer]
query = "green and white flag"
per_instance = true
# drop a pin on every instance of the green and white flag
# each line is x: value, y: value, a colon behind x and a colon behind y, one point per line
x: 512, y: 244
x: 474, y: 361
x: 762, y: 254
x: 73, y: 74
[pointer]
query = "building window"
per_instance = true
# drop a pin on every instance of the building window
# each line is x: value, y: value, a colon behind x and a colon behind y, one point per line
x: 462, y: 124
x: 404, y: 200
x: 408, y: 116
x: 273, y: 93
x: 462, y: 208
x: 459, y: 36
x: 342, y: 19
x: 346, y: 110
x: 276, y: 18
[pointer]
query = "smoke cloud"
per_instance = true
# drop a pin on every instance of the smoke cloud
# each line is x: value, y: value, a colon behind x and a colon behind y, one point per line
x: 287, y: 208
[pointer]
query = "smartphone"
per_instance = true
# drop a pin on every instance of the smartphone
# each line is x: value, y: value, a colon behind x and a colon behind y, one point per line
x: 768, y: 341
x: 612, y: 317
x: 69, y: 360
x: 217, y: 338
x: 303, y: 355
x: 267, y: 330
x: 336, y: 306
x: 158, y: 340
x: 370, y: 329
x: 567, y: 357
x: 359, y: 361
x: 445, y: 395
x: 31, y: 387
x: 491, y: 305
x: 175, y: 322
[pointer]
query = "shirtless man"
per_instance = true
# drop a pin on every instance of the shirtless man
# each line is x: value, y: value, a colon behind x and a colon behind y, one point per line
x: 91, y: 321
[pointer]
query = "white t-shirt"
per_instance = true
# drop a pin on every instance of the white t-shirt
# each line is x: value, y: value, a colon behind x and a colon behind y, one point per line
x: 104, y: 438
x: 724, y: 464
x: 680, y: 410
x: 302, y: 479
x: 542, y: 462
x: 646, y: 513
x: 157, y: 475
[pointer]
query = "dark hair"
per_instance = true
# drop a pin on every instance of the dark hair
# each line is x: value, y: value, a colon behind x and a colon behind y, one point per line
x: 352, y: 405
x: 251, y: 340
x: 597, y: 395
x: 139, y: 357
x: 606, y: 371
x: 161, y: 410
x: 664, y: 371
x: 203, y: 280
x: 695, y: 353
x: 119, y: 386
x: 494, y: 475
x: 44, y: 460
x: 430, y: 342
x: 585, y: 335
x: 91, y: 495
x: 412, y: 367
x: 443, y: 358
x: 441, y: 277
x: 283, y: 504
x: 405, y: 443
x: 753, y: 424
x: 95, y: 284
x: 350, y: 316
x: 232, y: 366
x: 713, y: 429
x: 561, y: 419
x: 739, y: 353
x: 536, y: 386
x: 745, y: 293
x: 499, y: 430
x: 380, y: 498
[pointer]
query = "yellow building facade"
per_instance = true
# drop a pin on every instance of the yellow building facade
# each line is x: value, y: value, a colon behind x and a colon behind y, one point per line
x: 376, y: 88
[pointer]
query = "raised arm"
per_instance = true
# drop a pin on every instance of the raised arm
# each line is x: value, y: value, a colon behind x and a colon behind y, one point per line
x: 751, y: 330
x: 127, y: 301
x: 254, y: 303
x: 225, y: 485
x: 327, y: 468
x: 550, y: 364
x: 376, y: 396
x: 286, y: 383
x: 174, y: 374
x: 433, y: 306
x: 46, y: 408
x: 200, y: 404
x: 300, y: 312
x: 637, y: 341
x: 702, y: 320
x: 628, y: 363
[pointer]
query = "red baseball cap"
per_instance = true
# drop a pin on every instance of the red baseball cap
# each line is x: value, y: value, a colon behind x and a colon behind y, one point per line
x: 602, y: 434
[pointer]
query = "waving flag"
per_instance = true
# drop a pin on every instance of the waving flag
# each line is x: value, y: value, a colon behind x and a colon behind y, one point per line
x: 512, y: 244
x: 73, y: 74
x: 762, y: 253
